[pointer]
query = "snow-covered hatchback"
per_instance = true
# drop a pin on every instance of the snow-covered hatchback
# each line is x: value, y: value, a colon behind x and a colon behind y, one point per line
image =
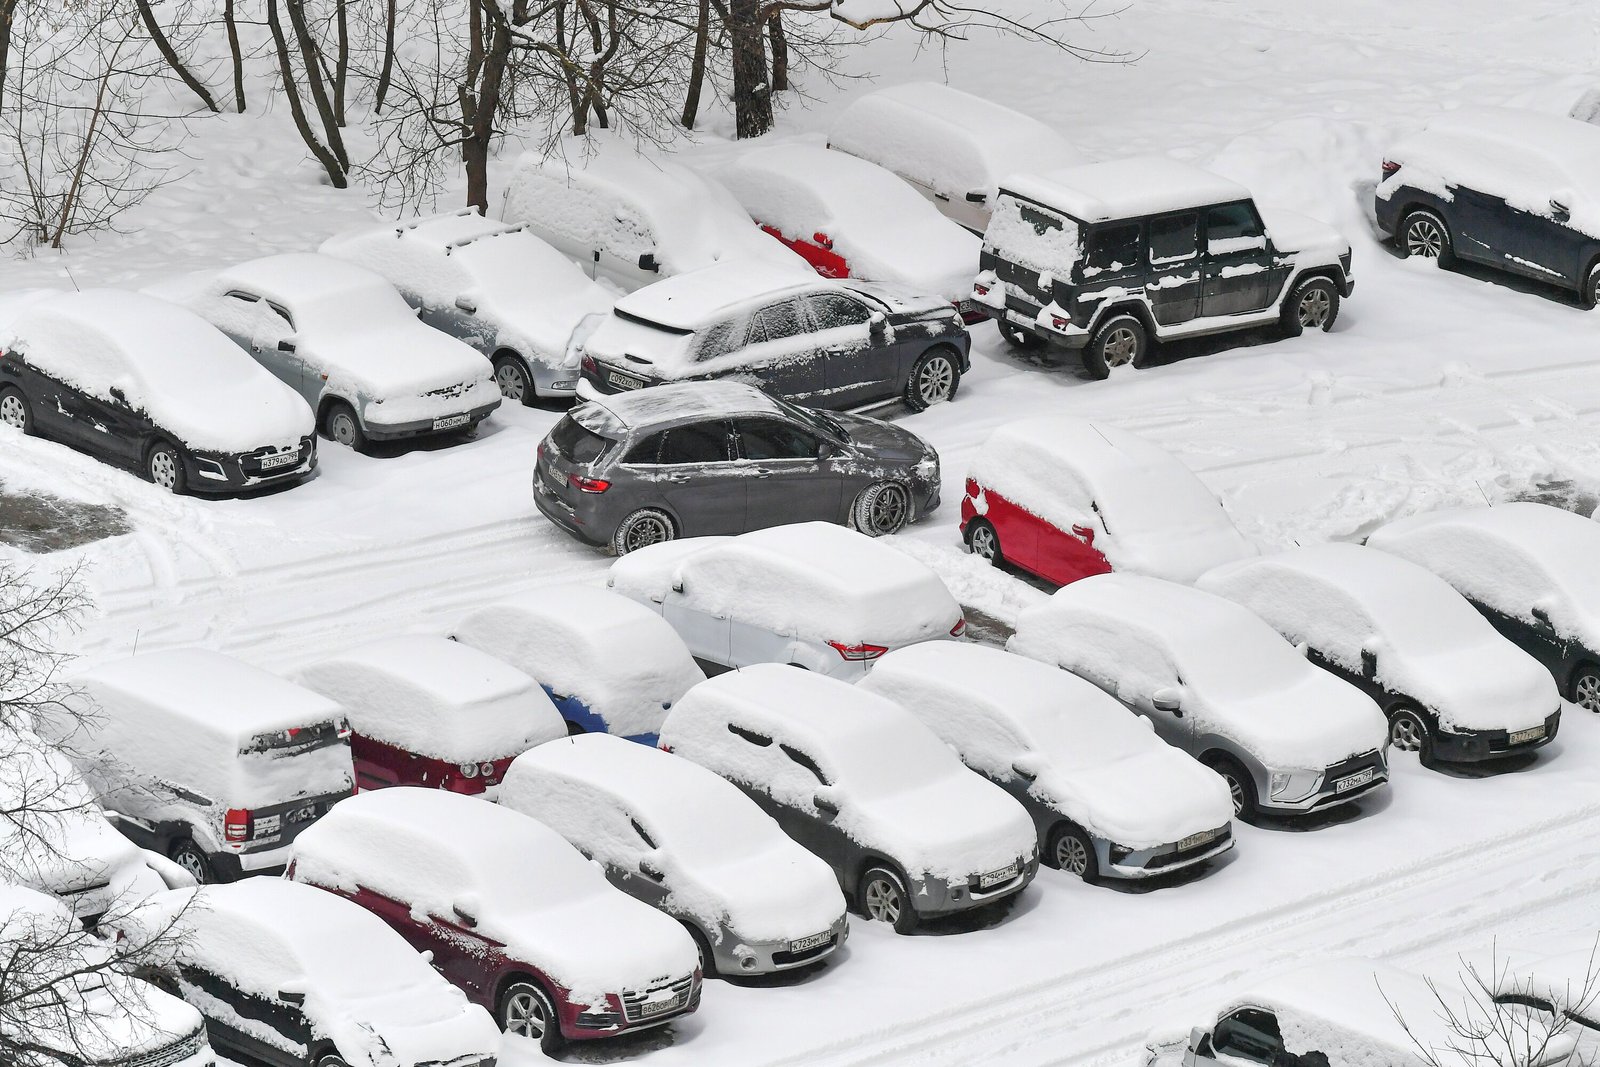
x: 1110, y: 257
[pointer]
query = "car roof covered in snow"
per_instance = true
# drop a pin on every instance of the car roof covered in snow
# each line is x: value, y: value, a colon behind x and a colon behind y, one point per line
x: 1124, y: 188
x: 1380, y: 582
x: 698, y: 298
x: 1507, y: 131
x: 645, y: 779
x: 674, y: 402
x: 828, y: 714
x: 301, y: 276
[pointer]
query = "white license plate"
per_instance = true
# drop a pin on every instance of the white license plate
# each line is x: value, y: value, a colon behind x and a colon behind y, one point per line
x: 657, y: 1007
x: 624, y: 381
x: 1531, y: 734
x: 966, y: 307
x: 1004, y: 874
x: 1196, y: 839
x: 450, y: 422
x: 1355, y: 781
x: 284, y: 460
x: 805, y: 944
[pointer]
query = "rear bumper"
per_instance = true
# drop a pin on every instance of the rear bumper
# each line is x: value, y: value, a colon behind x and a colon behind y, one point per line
x: 230, y: 866
x: 554, y: 509
x: 1475, y: 746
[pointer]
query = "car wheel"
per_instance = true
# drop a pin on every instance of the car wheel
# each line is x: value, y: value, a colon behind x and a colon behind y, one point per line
x: 527, y: 1011
x: 884, y: 899
x: 164, y: 467
x: 708, y: 962
x: 331, y: 1059
x: 14, y: 411
x: 1017, y: 337
x: 984, y: 542
x: 1426, y: 236
x: 882, y: 509
x: 341, y: 426
x: 1121, y: 342
x: 187, y: 854
x: 1408, y: 732
x: 1241, y: 787
x: 935, y: 377
x: 1589, y: 295
x: 511, y: 375
x: 1073, y: 852
x: 647, y: 526
x: 1313, y: 305
x: 1586, y: 688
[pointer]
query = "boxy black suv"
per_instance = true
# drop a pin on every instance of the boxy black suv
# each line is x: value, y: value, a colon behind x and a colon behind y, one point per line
x: 1110, y: 257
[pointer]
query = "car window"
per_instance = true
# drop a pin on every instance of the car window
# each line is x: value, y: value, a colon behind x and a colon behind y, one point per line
x: 765, y: 439
x: 775, y: 322
x: 1249, y: 1034
x: 832, y: 311
x: 805, y: 761
x: 243, y: 297
x: 577, y: 443
x: 282, y: 313
x: 1233, y: 228
x: 643, y: 836
x: 647, y: 451
x: 1174, y: 238
x: 1112, y: 249
x: 761, y: 740
x: 715, y: 340
x: 699, y: 442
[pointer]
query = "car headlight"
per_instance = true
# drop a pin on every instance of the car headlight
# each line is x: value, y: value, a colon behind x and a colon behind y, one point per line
x: 1292, y: 785
x: 928, y: 468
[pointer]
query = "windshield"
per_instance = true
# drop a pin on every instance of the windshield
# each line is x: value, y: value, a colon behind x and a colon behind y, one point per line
x: 818, y: 421
x: 1225, y: 662
x: 888, y: 760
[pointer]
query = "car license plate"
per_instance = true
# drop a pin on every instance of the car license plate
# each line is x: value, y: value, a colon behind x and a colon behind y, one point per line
x: 805, y: 944
x: 1004, y: 874
x: 1196, y: 839
x: 1355, y: 781
x: 658, y: 1007
x: 283, y: 460
x: 966, y: 307
x: 624, y: 381
x: 1532, y: 734
x: 450, y: 422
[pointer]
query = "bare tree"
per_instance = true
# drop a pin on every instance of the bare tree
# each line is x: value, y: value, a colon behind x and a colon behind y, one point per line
x: 230, y: 22
x: 8, y: 10
x: 164, y: 44
x: 332, y: 161
x: 386, y: 67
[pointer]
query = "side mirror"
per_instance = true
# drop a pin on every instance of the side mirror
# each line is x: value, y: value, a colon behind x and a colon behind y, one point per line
x: 465, y: 912
x: 1025, y: 768
x: 1200, y: 1041
x: 977, y: 198
x: 647, y: 261
x: 1168, y: 698
x: 292, y: 996
x: 1369, y: 663
x: 1560, y: 210
x: 650, y: 871
x: 825, y: 805
x: 878, y: 324
x: 1541, y: 616
x: 285, y: 346
x: 466, y: 304
x: 118, y: 395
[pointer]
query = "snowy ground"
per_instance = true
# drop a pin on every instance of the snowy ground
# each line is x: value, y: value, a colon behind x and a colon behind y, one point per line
x: 1434, y: 388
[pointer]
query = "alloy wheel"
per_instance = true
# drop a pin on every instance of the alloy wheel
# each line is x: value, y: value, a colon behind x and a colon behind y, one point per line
x: 1586, y: 692
x: 1071, y: 855
x: 1405, y: 734
x: 984, y: 543
x: 13, y: 412
x: 164, y: 468
x: 509, y: 377
x: 1120, y: 347
x: 883, y: 901
x: 1424, y: 238
x: 1314, y: 308
x: 935, y: 380
x: 646, y: 530
x: 1235, y: 792
x: 889, y: 510
x: 192, y: 863
x: 525, y: 1015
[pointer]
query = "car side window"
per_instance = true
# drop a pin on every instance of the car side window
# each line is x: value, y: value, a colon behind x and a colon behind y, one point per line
x: 643, y: 836
x: 242, y: 297
x: 1113, y: 249
x: 775, y: 322
x: 833, y: 311
x: 1249, y: 1034
x: 772, y: 439
x: 759, y: 740
x: 715, y: 340
x: 698, y: 442
x: 1174, y: 238
x: 1234, y: 228
x: 805, y: 761
x: 282, y: 313
x: 646, y: 452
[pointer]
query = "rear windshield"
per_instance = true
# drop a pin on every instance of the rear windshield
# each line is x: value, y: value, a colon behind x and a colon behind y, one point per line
x: 578, y: 444
x: 294, y: 742
x: 1034, y: 237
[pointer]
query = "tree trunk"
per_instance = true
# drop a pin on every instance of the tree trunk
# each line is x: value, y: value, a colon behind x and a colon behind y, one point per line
x: 780, y: 53
x: 752, y: 95
x: 238, y: 55
x: 330, y: 162
x: 341, y: 63
x: 311, y: 61
x: 575, y: 98
x: 481, y: 122
x: 170, y: 54
x: 8, y: 9
x: 697, y: 66
x: 388, y: 58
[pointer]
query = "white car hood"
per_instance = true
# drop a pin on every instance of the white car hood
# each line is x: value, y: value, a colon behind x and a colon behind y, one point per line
x: 606, y: 942
x: 1315, y: 722
x: 541, y: 324
x: 953, y: 828
x: 1489, y: 686
x: 407, y: 359
x: 1292, y: 232
x: 420, y: 1025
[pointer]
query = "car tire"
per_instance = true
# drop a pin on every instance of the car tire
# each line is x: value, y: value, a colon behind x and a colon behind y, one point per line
x: 1585, y: 690
x: 331, y: 1059
x: 186, y: 854
x: 1017, y: 337
x: 526, y: 1010
x: 884, y: 898
x: 1313, y: 305
x: 1589, y: 295
x: 1072, y: 851
x: 881, y: 509
x: 163, y: 465
x: 1425, y: 235
x: 1409, y: 732
x: 14, y: 410
x: 1122, y: 341
x: 1241, y: 786
x: 645, y: 527
x: 516, y: 384
x: 341, y: 426
x: 983, y: 541
x: 702, y: 945
x: 935, y: 377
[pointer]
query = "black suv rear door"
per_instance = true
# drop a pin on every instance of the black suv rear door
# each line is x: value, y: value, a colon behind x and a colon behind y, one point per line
x: 1173, y: 286
x: 1237, y: 263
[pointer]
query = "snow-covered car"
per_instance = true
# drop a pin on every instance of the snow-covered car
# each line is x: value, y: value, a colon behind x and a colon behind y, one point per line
x: 428, y: 711
x: 1108, y: 798
x: 68, y: 1005
x: 633, y: 220
x: 512, y: 913
x: 952, y: 147
x: 683, y: 840
x: 1453, y: 689
x: 349, y: 344
x: 850, y: 218
x: 815, y: 341
x: 1348, y: 1013
x: 54, y: 838
x: 1063, y: 498
x: 811, y: 595
x: 142, y: 383
x: 1562, y: 986
x: 569, y: 639
x: 1530, y: 569
x: 290, y: 976
x: 205, y: 759
x: 1218, y: 683
x: 701, y: 458
x: 1110, y: 258
x: 495, y: 286
x: 910, y: 833
x: 1507, y: 188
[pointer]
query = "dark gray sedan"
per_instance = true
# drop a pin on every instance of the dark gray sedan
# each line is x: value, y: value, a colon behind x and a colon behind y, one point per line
x: 701, y: 458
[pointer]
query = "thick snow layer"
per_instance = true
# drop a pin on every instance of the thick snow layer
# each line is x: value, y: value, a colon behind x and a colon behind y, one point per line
x: 531, y: 294
x: 1568, y: 980
x: 622, y: 661
x: 169, y: 363
x: 434, y: 697
x: 899, y: 788
x: 948, y: 140
x: 699, y: 298
x: 1149, y: 513
x: 366, y: 989
x: 1092, y: 761
x: 1047, y: 242
x: 527, y: 887
x: 812, y: 580
x: 666, y: 403
x: 723, y: 859
x: 1513, y: 558
x: 1429, y: 643
x: 882, y: 228
x: 1132, y: 635
x: 1143, y: 185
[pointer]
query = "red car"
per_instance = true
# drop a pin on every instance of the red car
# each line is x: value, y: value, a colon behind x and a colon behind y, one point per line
x: 1064, y: 498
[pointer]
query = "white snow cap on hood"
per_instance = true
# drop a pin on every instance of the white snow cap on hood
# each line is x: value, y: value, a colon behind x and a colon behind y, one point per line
x: 1429, y: 643
x: 167, y: 361
x: 1240, y: 679
x: 899, y: 788
x: 1149, y: 512
x: 722, y: 857
x: 1092, y: 761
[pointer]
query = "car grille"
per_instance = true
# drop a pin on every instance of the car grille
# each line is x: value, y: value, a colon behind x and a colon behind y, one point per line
x: 179, y: 1050
x: 785, y: 958
x: 1347, y: 768
x: 1167, y: 859
x: 450, y: 392
x: 632, y: 1003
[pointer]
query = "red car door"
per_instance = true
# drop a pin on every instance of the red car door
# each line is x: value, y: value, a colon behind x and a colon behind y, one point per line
x: 1064, y: 556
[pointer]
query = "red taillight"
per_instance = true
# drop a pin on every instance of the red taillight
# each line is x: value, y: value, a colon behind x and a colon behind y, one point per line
x: 588, y: 485
x: 589, y: 365
x: 291, y: 733
x: 858, y: 653
x: 343, y: 731
x: 1390, y: 168
x: 663, y: 746
x: 959, y: 628
x: 236, y: 824
x: 981, y: 290
x: 822, y: 239
x: 538, y: 453
x: 1060, y: 323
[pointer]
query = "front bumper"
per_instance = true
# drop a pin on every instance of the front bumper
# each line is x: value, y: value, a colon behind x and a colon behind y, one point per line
x: 1475, y: 746
x: 1328, y: 794
x: 377, y: 431
x: 207, y: 473
x: 1162, y: 859
x: 736, y: 957
x: 583, y: 1023
x: 933, y: 897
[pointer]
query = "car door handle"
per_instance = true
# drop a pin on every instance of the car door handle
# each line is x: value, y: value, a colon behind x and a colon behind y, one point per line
x: 677, y: 479
x: 762, y: 472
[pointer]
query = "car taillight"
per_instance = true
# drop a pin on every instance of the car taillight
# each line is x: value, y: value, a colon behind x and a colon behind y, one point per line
x: 1060, y: 323
x: 343, y: 731
x: 468, y: 770
x: 959, y: 628
x: 858, y: 653
x: 663, y: 746
x: 291, y: 733
x: 588, y: 485
x: 589, y: 365
x: 236, y: 824
x: 981, y: 290
x: 1390, y: 168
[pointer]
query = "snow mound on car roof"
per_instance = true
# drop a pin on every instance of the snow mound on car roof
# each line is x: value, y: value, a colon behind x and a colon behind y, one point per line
x: 667, y: 403
x: 437, y: 698
x: 621, y: 660
x: 1141, y: 185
